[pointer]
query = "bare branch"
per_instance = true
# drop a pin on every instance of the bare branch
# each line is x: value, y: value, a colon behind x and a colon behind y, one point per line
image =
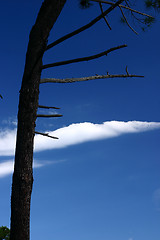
x: 83, y: 58
x: 123, y: 6
x: 46, y: 107
x: 105, y: 19
x: 127, y: 71
x: 50, y: 115
x: 127, y: 21
x: 71, y: 80
x: 90, y: 24
x: 46, y: 135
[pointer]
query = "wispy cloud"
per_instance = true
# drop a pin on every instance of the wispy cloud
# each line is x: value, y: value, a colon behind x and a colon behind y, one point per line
x: 84, y: 132
x: 7, y: 142
x: 11, y: 121
x: 76, y: 134
x: 6, y: 167
x: 71, y: 135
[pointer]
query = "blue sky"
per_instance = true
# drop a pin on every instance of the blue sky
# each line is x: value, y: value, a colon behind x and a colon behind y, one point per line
x: 101, y: 179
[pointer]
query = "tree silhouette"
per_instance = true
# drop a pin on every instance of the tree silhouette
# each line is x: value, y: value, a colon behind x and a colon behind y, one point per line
x: 29, y: 99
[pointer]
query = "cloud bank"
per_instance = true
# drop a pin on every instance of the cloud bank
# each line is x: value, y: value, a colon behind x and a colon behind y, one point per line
x: 76, y: 134
x: 84, y: 132
x: 68, y: 136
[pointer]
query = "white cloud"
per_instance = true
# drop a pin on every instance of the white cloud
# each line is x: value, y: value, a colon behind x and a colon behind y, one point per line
x: 71, y: 135
x: 84, y: 132
x: 76, y: 134
x: 7, y: 167
x: 7, y: 142
x: 11, y: 121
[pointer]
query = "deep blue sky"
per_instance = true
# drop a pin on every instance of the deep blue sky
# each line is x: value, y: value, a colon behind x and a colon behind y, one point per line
x: 101, y: 187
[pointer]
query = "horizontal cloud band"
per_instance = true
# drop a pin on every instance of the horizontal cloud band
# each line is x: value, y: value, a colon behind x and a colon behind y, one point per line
x: 76, y: 134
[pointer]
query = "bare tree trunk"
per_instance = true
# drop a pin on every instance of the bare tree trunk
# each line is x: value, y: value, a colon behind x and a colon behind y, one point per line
x: 28, y: 104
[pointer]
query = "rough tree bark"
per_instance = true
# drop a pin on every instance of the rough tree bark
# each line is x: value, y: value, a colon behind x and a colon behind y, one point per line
x: 28, y: 104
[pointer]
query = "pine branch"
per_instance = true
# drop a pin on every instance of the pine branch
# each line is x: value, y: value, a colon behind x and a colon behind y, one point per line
x: 83, y: 58
x: 46, y: 135
x: 127, y: 21
x: 72, y: 80
x: 90, y: 24
x: 49, y: 116
x: 123, y: 6
x: 46, y: 107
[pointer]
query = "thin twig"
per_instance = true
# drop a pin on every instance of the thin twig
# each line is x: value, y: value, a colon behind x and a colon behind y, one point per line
x: 46, y: 135
x: 46, y: 107
x: 127, y: 71
x: 127, y: 21
x: 49, y: 116
x: 83, y: 58
x: 90, y: 24
x: 71, y: 80
x: 105, y: 19
x: 123, y: 6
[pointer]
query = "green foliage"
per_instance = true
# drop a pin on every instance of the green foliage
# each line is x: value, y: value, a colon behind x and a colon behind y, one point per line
x: 148, y: 21
x: 122, y: 20
x: 4, y: 233
x: 85, y: 3
x: 153, y: 4
x: 148, y: 3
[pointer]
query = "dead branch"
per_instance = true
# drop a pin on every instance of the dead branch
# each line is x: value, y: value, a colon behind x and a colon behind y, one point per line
x: 83, y: 58
x: 127, y: 71
x: 127, y: 21
x: 46, y: 135
x: 71, y: 80
x: 105, y: 19
x: 123, y: 6
x: 90, y: 24
x: 46, y: 107
x: 49, y: 115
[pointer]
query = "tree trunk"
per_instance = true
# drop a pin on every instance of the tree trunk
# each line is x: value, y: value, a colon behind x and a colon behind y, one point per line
x: 28, y: 104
